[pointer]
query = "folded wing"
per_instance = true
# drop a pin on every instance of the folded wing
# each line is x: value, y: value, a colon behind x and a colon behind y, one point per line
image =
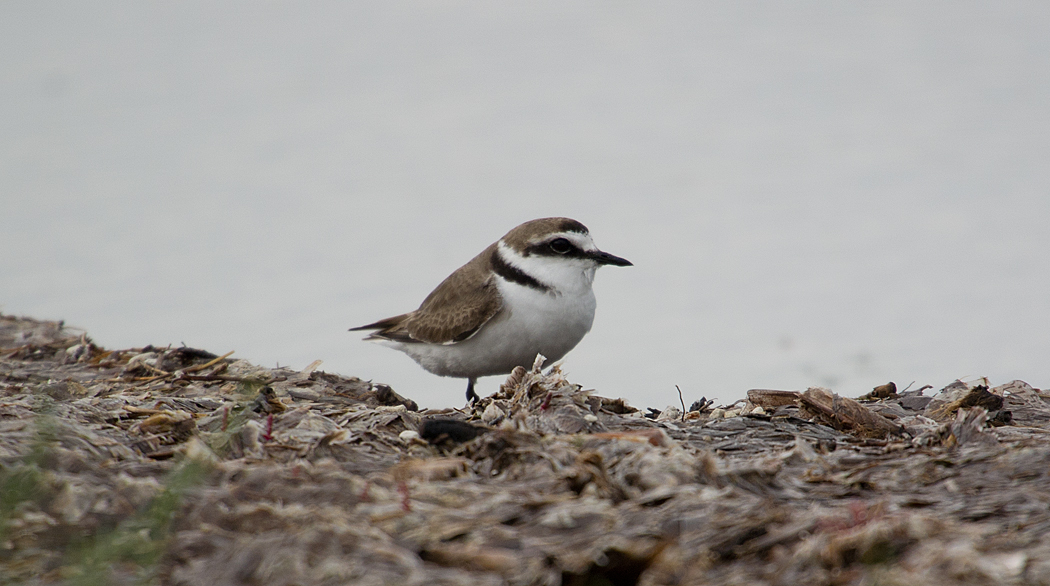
x: 453, y: 312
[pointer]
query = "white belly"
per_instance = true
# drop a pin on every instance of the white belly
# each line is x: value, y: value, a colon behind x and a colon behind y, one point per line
x: 531, y: 322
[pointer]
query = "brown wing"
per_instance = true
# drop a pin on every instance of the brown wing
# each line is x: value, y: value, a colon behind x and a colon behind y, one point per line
x: 453, y: 312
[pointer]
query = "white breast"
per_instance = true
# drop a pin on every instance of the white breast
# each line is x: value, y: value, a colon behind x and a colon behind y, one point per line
x: 532, y: 321
x: 548, y: 323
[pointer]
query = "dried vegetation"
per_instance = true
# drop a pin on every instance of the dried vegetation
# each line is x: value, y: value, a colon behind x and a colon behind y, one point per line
x: 178, y: 466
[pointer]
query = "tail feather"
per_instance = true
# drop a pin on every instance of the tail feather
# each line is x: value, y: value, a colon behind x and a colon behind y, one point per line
x: 390, y: 328
x: 382, y: 324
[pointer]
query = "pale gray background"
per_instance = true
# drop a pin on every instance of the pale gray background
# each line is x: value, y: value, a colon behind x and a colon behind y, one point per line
x: 834, y: 193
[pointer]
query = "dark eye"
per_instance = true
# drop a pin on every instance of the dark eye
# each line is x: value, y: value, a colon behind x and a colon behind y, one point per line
x: 561, y: 245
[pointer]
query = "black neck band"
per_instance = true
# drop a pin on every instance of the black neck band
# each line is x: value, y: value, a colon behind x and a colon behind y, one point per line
x: 515, y: 275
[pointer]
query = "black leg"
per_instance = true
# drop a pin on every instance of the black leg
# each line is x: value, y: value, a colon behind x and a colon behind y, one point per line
x: 471, y: 395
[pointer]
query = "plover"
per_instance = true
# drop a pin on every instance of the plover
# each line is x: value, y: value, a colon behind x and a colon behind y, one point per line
x: 528, y: 293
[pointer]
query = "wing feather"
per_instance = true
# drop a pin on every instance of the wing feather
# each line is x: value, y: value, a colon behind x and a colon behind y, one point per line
x: 453, y: 312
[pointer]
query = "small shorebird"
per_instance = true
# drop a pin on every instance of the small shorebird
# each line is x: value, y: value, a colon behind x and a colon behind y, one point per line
x: 528, y: 293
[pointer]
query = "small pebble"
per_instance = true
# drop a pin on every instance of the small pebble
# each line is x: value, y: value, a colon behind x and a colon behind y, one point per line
x: 670, y: 413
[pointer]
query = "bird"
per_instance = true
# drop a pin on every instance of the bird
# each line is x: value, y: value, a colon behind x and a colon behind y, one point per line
x: 528, y: 293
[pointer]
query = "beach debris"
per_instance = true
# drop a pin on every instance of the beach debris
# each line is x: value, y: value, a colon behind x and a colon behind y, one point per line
x: 886, y: 391
x: 179, y: 466
x: 841, y: 413
x: 945, y: 404
x: 845, y: 414
x: 437, y: 430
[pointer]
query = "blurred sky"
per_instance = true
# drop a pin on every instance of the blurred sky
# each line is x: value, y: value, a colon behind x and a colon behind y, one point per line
x: 813, y: 193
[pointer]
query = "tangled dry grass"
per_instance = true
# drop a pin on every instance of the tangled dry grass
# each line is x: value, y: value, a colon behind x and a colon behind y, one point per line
x: 178, y: 466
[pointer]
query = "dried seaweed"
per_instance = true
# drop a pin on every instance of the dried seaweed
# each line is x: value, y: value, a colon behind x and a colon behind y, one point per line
x: 181, y: 466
